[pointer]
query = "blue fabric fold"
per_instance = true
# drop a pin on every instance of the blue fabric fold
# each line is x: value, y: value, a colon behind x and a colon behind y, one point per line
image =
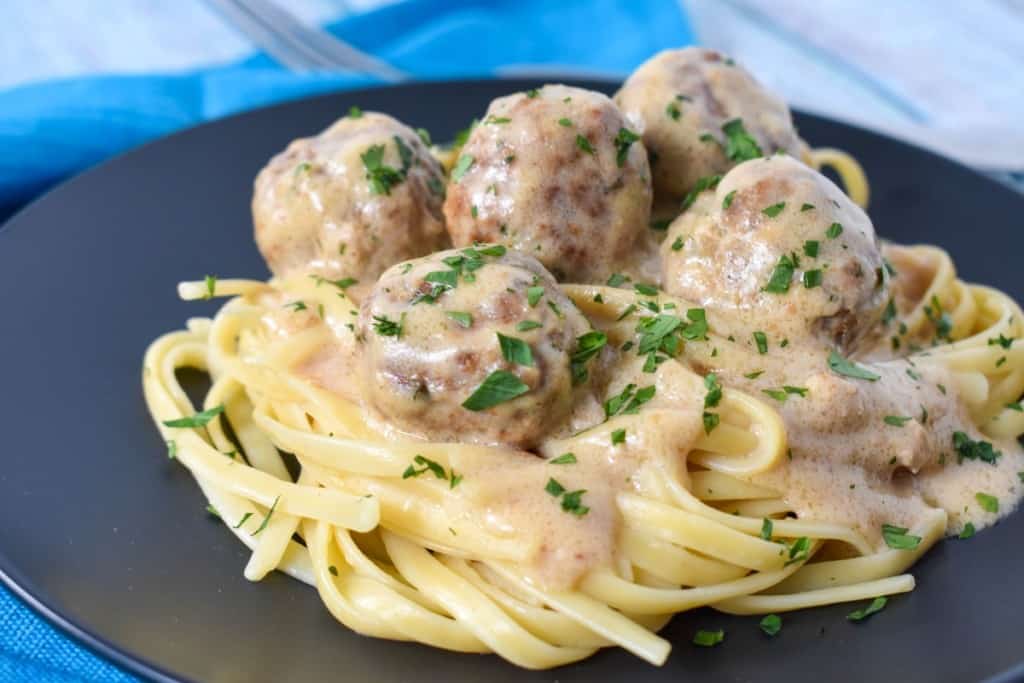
x: 54, y: 129
x: 51, y: 130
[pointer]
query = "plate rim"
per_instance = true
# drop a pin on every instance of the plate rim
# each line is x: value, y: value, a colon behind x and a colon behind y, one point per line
x: 80, y: 634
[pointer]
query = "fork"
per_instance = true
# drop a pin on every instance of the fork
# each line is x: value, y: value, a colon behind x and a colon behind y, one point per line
x: 297, y: 46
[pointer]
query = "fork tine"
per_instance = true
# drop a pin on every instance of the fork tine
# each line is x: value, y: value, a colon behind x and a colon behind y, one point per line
x: 330, y: 51
x: 281, y: 47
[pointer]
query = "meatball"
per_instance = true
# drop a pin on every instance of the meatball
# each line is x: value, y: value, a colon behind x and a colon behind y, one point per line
x: 700, y: 112
x: 350, y: 202
x: 556, y: 173
x: 432, y: 329
x: 778, y: 248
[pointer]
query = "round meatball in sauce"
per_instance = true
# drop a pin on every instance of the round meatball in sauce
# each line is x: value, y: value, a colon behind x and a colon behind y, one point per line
x: 350, y: 202
x: 778, y: 248
x: 701, y: 114
x: 556, y: 173
x: 470, y: 345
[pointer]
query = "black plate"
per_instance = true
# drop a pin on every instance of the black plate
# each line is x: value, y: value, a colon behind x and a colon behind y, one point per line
x: 108, y: 539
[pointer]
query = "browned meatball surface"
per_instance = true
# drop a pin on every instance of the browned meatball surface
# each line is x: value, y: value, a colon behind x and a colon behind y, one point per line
x: 350, y: 202
x: 430, y: 330
x: 556, y: 173
x: 689, y: 102
x: 778, y: 248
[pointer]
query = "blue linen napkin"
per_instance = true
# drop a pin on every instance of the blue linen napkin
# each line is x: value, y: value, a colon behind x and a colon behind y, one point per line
x: 51, y: 130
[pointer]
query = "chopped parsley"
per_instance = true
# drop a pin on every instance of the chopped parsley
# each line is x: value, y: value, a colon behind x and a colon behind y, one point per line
x: 708, y: 182
x: 897, y: 538
x: 211, y: 286
x: 626, y: 312
x: 646, y: 290
x: 785, y: 392
x: 463, y: 319
x: 587, y: 346
x: 296, y: 306
x: 672, y: 109
x: 727, y: 202
x: 863, y: 613
x: 1005, y: 342
x: 1015, y: 406
x: 197, y: 420
x: 571, y: 501
x: 834, y: 231
x: 771, y: 624
x: 584, y: 144
x: 704, y: 638
x: 498, y: 387
x: 798, y: 550
x: 773, y: 210
x: 515, y: 350
x: 762, y: 342
x: 842, y: 366
x: 714, y: 395
x: 342, y: 284
x: 968, y: 449
x: 987, y: 502
x: 554, y: 488
x: 739, y: 144
x: 623, y: 140
x: 243, y: 520
x: 812, y: 278
x: 678, y: 243
x: 496, y: 120
x: 806, y: 207
x: 941, y: 320
x: 895, y: 420
x: 532, y: 93
x: 463, y: 164
x: 355, y: 112
x: 618, y: 436
x: 628, y: 401
x: 172, y: 450
x: 711, y: 420
x: 266, y: 520
x: 811, y: 248
x: 564, y: 459
x: 404, y: 153
x: 616, y: 280
x: 754, y: 375
x: 533, y: 295
x: 380, y: 176
x: 527, y: 325
x: 889, y: 314
x: 967, y: 531
x: 782, y: 275
x: 424, y: 135
x: 435, y: 468
x: 565, y: 122
x: 766, y: 529
x: 388, y: 328
x: 660, y: 225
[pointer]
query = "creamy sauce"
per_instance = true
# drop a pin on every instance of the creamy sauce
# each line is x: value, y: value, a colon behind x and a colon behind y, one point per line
x: 861, y: 453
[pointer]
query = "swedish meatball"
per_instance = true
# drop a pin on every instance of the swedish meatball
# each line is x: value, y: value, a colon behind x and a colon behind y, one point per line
x: 557, y: 174
x: 357, y: 198
x: 686, y: 100
x: 431, y: 339
x: 777, y: 247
